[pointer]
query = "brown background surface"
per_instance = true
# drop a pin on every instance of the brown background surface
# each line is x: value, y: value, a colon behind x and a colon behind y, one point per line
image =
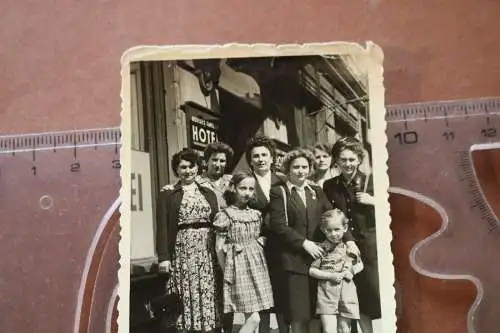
x: 60, y: 69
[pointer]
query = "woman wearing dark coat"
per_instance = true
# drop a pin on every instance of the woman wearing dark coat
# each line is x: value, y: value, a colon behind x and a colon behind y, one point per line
x: 295, y: 209
x: 261, y: 155
x: 352, y: 192
x: 186, y: 245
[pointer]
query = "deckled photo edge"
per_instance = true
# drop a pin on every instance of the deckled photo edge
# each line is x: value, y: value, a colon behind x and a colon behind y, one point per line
x: 237, y: 50
x: 123, y: 304
x: 372, y: 54
x: 381, y: 188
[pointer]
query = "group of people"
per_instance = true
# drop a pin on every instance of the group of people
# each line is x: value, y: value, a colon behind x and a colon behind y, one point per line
x: 299, y: 242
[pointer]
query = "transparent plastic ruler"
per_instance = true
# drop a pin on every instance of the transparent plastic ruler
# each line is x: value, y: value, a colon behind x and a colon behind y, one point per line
x: 431, y: 158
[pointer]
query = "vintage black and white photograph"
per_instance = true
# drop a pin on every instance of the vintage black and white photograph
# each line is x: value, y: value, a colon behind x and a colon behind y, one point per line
x: 254, y: 190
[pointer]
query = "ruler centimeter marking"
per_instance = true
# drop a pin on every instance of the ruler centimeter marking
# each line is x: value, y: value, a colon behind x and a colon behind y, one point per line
x: 12, y: 144
x: 445, y: 110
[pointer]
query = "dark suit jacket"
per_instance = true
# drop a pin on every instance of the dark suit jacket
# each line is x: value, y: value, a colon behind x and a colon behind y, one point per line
x: 260, y: 201
x: 362, y: 217
x: 343, y: 196
x: 169, y: 201
x: 303, y: 223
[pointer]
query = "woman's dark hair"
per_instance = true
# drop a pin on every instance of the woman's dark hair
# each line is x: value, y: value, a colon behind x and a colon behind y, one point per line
x: 349, y: 143
x: 184, y: 155
x: 293, y: 154
x: 218, y: 147
x: 230, y: 193
x: 260, y: 141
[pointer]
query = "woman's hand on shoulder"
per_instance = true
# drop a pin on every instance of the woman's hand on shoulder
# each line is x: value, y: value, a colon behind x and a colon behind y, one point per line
x: 165, y: 266
x: 168, y: 187
x: 364, y: 198
x: 314, y: 250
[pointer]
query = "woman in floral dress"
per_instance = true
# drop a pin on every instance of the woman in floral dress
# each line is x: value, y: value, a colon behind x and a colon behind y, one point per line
x: 186, y: 245
x: 217, y: 156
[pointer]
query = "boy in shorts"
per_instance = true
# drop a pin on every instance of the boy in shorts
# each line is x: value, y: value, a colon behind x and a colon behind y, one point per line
x: 337, y: 300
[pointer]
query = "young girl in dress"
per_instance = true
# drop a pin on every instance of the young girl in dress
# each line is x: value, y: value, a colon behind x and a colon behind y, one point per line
x: 239, y: 248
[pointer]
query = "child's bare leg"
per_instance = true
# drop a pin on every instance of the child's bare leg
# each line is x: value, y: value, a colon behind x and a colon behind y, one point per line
x: 329, y: 323
x: 251, y: 323
x: 344, y: 324
x: 366, y: 324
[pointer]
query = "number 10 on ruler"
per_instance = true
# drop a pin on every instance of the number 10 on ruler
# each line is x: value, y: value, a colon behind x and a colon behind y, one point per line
x: 406, y: 138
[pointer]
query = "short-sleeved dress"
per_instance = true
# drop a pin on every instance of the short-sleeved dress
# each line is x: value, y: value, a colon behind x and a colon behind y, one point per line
x: 194, y: 264
x: 338, y: 298
x: 247, y: 287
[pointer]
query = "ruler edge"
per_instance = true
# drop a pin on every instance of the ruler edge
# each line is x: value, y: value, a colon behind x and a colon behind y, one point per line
x: 392, y: 115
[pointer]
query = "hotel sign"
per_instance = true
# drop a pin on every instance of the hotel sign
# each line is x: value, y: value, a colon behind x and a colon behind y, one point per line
x: 202, y: 132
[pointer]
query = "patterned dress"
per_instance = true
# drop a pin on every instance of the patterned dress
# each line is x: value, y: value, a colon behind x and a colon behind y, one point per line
x: 247, y: 287
x: 194, y: 264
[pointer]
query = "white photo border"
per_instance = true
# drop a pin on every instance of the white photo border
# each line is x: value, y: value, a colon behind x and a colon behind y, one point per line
x: 372, y: 57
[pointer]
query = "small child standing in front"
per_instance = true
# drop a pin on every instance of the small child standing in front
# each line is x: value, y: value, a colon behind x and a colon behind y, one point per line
x: 337, y: 300
x: 239, y: 247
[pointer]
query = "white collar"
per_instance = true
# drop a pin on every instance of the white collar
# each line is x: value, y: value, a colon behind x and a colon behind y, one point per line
x: 307, y: 184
